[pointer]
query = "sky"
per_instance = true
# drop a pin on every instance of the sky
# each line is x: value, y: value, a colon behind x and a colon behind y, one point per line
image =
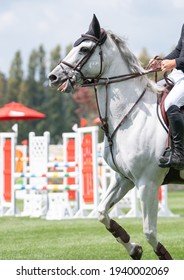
x: 26, y: 24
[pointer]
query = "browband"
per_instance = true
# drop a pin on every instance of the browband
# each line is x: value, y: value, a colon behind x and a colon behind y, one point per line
x: 100, y: 41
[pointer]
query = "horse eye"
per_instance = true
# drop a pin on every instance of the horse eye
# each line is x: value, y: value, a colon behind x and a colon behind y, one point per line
x: 84, y: 50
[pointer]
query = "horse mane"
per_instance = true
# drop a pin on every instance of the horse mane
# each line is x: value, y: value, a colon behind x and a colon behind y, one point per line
x: 132, y: 61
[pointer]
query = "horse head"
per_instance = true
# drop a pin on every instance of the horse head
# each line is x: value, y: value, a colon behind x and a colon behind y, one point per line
x: 74, y: 69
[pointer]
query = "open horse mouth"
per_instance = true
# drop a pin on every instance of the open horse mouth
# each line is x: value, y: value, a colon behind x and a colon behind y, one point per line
x: 64, y: 86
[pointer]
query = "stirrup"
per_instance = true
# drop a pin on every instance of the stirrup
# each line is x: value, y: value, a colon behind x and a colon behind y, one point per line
x: 165, y: 159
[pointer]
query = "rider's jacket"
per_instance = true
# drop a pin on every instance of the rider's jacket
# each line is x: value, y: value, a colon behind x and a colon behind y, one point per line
x: 178, y: 52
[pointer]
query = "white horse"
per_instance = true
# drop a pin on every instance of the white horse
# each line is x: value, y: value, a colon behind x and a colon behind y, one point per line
x: 134, y: 136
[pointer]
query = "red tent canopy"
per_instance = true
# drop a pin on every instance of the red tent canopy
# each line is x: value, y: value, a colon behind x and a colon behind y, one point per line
x: 17, y: 111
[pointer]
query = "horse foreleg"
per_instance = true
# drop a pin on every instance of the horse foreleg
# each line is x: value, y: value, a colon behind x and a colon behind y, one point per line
x: 116, y: 191
x: 149, y: 204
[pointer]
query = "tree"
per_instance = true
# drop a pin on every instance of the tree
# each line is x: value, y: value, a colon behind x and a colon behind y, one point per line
x: 55, y: 57
x: 42, y: 78
x: 3, y: 83
x: 2, y: 88
x: 144, y: 57
x: 15, y: 79
x: 68, y: 49
x: 87, y: 107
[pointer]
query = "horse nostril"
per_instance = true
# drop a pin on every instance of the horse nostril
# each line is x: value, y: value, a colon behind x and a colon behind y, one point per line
x: 53, y: 78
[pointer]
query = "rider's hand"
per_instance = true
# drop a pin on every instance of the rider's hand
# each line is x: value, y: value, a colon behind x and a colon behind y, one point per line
x: 168, y: 64
x: 154, y: 63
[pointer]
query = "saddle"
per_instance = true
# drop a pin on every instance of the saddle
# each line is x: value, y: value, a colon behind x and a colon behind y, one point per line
x: 161, y: 100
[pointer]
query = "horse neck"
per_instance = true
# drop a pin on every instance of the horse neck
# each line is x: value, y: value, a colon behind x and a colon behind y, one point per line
x: 116, y: 100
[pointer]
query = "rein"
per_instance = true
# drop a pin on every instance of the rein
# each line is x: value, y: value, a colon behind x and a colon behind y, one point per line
x: 115, y: 79
x: 104, y: 121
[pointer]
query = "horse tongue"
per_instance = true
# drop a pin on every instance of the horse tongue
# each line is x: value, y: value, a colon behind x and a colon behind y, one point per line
x: 63, y: 86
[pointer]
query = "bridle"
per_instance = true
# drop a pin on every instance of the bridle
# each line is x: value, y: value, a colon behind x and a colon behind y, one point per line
x: 98, y: 80
x: 78, y: 66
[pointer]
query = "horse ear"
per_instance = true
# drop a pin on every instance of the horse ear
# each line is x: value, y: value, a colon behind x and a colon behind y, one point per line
x: 94, y: 28
x: 95, y: 31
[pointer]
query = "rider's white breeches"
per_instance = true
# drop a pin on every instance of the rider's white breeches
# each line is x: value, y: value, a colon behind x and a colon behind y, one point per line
x: 176, y: 95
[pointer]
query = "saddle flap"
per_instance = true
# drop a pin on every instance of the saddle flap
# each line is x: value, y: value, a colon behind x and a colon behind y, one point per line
x: 161, y: 100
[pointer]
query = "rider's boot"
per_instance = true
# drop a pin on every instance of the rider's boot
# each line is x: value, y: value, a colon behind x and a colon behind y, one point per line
x: 175, y: 158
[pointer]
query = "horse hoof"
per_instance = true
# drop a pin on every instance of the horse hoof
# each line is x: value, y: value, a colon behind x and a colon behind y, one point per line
x: 137, y: 253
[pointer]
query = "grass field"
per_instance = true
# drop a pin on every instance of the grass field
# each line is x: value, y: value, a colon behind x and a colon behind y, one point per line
x: 86, y: 239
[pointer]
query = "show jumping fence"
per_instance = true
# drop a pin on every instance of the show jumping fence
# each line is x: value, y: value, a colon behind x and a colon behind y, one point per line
x: 60, y: 189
